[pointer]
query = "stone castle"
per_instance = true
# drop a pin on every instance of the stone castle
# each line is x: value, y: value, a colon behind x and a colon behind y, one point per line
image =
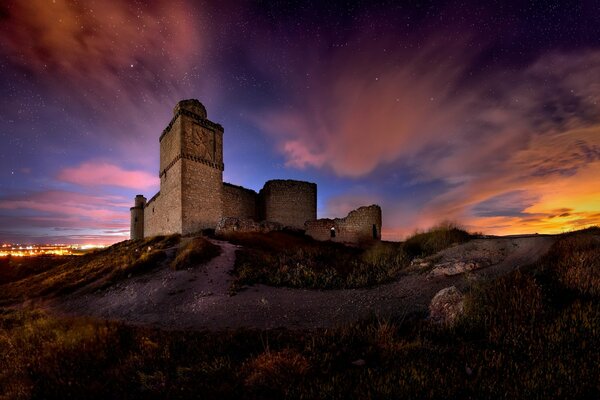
x: 193, y: 196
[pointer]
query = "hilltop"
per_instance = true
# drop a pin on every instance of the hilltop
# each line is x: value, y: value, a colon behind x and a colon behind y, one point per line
x: 320, y: 317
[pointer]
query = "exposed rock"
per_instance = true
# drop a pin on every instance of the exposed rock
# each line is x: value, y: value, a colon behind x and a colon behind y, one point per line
x: 454, y: 268
x: 359, y: 363
x: 234, y: 224
x: 447, y: 306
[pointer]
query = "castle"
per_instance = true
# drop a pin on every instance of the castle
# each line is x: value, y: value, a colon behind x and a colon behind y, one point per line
x: 193, y: 196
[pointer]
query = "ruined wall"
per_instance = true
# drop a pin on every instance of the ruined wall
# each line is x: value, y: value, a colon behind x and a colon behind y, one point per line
x: 288, y: 202
x: 362, y: 224
x: 239, y: 202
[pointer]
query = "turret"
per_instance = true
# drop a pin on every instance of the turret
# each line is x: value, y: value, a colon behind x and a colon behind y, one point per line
x: 137, y: 218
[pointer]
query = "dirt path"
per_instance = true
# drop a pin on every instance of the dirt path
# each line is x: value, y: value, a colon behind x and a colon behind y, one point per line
x: 198, y: 298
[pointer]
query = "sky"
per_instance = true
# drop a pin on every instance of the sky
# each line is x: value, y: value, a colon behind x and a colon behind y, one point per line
x: 487, y: 115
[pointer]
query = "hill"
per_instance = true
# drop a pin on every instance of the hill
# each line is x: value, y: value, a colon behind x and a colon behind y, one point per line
x: 530, y: 328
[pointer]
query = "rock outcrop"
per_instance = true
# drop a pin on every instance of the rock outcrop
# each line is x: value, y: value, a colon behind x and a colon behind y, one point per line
x: 447, y: 306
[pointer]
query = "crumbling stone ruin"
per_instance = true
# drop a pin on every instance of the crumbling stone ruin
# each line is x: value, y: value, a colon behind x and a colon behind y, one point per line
x: 193, y: 196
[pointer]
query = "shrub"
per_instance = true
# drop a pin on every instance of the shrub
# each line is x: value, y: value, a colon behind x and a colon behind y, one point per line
x: 195, y: 252
x: 274, y: 372
x: 438, y: 238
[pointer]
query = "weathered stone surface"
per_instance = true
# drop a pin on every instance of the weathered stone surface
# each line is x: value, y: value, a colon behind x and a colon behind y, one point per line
x: 239, y: 202
x: 137, y: 218
x: 454, y: 268
x: 288, y: 202
x: 447, y: 306
x: 362, y: 224
x: 234, y: 224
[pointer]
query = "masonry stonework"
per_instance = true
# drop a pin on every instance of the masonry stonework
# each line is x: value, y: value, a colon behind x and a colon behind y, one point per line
x: 362, y: 224
x: 290, y: 203
x: 239, y: 202
x: 193, y: 196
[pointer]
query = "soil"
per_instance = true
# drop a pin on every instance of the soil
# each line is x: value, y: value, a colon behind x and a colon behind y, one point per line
x: 199, y: 298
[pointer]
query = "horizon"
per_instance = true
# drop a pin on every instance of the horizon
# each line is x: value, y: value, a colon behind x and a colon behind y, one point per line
x: 488, y: 116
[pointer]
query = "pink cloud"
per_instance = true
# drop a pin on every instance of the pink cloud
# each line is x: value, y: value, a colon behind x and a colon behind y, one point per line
x: 66, y: 215
x: 102, y: 173
x: 472, y: 139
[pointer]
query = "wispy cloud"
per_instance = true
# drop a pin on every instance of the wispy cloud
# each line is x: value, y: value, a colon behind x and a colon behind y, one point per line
x: 481, y: 140
x: 62, y: 213
x: 106, y: 174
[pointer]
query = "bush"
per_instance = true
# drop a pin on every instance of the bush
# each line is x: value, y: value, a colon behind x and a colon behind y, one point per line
x: 197, y: 251
x: 288, y: 259
x: 436, y: 239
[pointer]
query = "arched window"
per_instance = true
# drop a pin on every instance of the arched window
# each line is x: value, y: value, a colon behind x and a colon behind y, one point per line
x: 332, y: 231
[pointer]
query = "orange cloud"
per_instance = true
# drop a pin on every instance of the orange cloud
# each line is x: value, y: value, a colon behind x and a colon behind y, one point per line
x: 535, y: 130
x: 102, y: 173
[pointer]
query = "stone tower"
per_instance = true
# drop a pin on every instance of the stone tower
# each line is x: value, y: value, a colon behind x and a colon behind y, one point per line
x: 137, y: 218
x: 191, y: 170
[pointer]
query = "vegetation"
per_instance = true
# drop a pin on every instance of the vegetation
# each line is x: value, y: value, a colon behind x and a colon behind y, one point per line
x: 16, y: 268
x: 195, y: 252
x: 534, y: 333
x: 293, y: 260
x: 96, y: 269
x: 438, y: 238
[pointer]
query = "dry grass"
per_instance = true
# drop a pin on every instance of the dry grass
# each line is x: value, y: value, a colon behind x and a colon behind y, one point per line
x: 533, y: 334
x: 93, y: 270
x: 195, y: 252
x: 294, y: 260
x: 438, y: 238
x: 16, y: 268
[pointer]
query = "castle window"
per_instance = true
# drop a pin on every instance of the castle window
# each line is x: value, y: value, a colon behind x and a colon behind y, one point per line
x: 332, y: 232
x: 135, y: 219
x: 374, y: 231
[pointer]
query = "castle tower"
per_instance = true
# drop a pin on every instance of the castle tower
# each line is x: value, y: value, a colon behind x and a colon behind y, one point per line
x: 137, y: 218
x: 191, y: 170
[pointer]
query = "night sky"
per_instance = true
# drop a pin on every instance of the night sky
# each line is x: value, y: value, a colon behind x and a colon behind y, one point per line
x: 483, y: 114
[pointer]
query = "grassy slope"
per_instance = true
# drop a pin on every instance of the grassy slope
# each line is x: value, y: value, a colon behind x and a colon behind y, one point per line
x: 534, y: 333
x: 98, y: 269
x: 287, y: 259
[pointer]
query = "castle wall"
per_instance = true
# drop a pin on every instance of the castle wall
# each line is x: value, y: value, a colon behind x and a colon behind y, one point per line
x: 137, y: 218
x: 170, y: 145
x: 362, y: 224
x: 288, y: 202
x: 201, y: 196
x: 239, y: 202
x: 162, y: 215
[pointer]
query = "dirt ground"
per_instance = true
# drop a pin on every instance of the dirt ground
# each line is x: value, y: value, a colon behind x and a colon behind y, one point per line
x: 198, y: 298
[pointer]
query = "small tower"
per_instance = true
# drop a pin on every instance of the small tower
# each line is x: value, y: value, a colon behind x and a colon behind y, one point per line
x: 137, y: 218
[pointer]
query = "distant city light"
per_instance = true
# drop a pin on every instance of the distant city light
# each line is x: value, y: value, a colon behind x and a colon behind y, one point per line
x: 18, y: 250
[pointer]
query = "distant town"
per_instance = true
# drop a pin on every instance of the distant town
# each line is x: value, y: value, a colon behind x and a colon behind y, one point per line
x: 22, y: 250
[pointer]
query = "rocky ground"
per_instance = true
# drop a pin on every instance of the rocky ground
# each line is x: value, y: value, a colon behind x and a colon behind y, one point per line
x: 199, y: 298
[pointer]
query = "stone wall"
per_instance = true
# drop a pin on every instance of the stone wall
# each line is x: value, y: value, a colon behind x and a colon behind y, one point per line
x: 362, y: 224
x: 201, y: 197
x: 288, y: 202
x: 239, y: 202
x: 162, y: 214
x: 137, y: 218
